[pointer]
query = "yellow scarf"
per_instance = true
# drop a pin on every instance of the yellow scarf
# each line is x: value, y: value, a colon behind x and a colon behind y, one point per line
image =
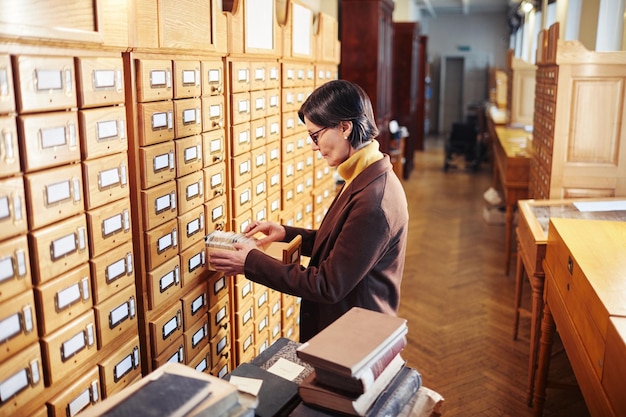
x: 361, y: 159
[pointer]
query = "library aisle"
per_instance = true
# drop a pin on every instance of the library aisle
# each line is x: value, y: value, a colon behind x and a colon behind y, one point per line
x: 459, y: 303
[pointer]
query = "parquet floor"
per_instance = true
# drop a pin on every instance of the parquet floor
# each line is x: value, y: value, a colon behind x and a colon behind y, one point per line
x: 459, y: 303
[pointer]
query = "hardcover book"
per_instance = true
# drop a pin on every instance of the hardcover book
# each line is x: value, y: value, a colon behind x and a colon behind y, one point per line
x: 320, y: 396
x: 351, y: 343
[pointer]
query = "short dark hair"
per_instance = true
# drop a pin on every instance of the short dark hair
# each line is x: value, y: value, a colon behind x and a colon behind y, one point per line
x: 341, y: 100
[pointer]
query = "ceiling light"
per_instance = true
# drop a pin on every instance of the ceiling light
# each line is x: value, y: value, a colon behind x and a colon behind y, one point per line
x: 526, y: 6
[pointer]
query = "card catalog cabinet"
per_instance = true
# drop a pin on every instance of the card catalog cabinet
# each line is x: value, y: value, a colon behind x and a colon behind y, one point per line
x: 579, y: 121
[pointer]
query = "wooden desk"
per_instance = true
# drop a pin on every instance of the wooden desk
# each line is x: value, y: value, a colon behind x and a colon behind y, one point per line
x: 510, y: 172
x: 532, y: 235
x: 585, y: 289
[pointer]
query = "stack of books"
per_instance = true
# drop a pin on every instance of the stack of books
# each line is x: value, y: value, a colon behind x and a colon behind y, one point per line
x: 357, y: 366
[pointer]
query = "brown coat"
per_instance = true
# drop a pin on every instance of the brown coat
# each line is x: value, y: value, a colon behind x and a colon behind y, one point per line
x: 357, y: 254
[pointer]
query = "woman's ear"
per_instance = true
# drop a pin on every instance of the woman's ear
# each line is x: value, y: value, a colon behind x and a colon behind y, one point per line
x: 346, y: 127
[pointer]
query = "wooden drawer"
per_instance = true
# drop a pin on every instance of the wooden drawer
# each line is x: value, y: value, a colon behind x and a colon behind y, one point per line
x: 112, y: 271
x: 174, y: 353
x: 288, y: 147
x: 215, y: 180
x: 239, y: 76
x: 7, y: 95
x: 189, y: 155
x: 241, y: 108
x: 154, y: 80
x: 212, y: 77
x: 191, y: 227
x: 223, y: 367
x: 120, y: 368
x: 109, y: 226
x: 274, y: 206
x: 190, y: 190
x: 202, y: 361
x: 159, y: 204
x: 79, y: 396
x: 261, y: 299
x: 187, y: 80
x: 15, y: 274
x: 258, y: 132
x: 240, y: 139
x: 240, y: 223
x: 18, y: 324
x: 241, y: 201
x: 615, y: 364
x: 9, y: 150
x: 59, y: 248
x: 158, y: 164
x: 156, y: 122
x: 289, y: 100
x: 273, y: 102
x: 219, y: 316
x: 161, y: 244
x: 216, y: 213
x: 54, y: 194
x: 258, y: 105
x: 220, y: 346
x: 193, y: 263
x: 115, y: 316
x: 260, y: 212
x: 258, y: 75
x: 213, y: 113
x: 214, y: 143
x: 44, y: 83
x: 195, y: 306
x: 21, y: 380
x: 244, y: 348
x: 69, y: 348
x: 102, y: 131
x: 244, y: 318
x: 164, y: 283
x: 62, y: 299
x: 166, y: 328
x: 241, y: 169
x: 290, y: 123
x: 187, y: 117
x: 273, y: 75
x: 48, y: 139
x: 273, y: 130
x: 197, y: 337
x: 218, y: 286
x: 243, y: 291
x: 106, y: 180
x: 100, y: 81
x: 12, y: 207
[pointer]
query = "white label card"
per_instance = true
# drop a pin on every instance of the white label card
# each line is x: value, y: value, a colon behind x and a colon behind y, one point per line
x: 214, y: 76
x: 220, y: 315
x: 13, y: 384
x: 161, y: 162
x: 189, y: 116
x: 68, y: 296
x: 189, y: 77
x: 109, y: 177
x: 72, y: 345
x: 58, y: 192
x: 104, y: 78
x: 118, y: 314
x: 159, y: 120
x: 5, y: 212
x: 193, y: 227
x: 49, y: 79
x: 10, y: 326
x: 77, y: 404
x: 112, y: 225
x: 193, y: 190
x: 115, y: 270
x: 195, y: 261
x: 217, y: 212
x: 197, y: 304
x: 216, y: 145
x: 106, y: 130
x: 215, y: 111
x: 158, y: 78
x: 191, y: 153
x: 286, y: 369
x: 52, y: 137
x: 63, y: 246
x: 164, y: 242
x: 123, y: 367
x: 162, y: 203
x: 170, y: 327
x: 216, y: 180
x: 6, y: 270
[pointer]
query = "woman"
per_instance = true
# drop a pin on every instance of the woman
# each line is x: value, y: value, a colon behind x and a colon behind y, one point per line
x: 357, y: 254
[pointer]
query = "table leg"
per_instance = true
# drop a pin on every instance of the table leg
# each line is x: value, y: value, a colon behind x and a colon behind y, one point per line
x: 535, y: 327
x: 519, y: 284
x: 508, y: 233
x: 545, y: 351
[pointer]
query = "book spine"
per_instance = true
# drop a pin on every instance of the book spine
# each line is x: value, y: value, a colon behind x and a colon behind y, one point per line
x: 397, y: 395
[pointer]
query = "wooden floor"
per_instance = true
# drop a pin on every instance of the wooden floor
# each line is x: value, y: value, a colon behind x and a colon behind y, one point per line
x: 459, y: 303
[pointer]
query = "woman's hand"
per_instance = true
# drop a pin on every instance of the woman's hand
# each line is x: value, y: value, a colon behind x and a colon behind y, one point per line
x: 231, y: 262
x: 274, y: 232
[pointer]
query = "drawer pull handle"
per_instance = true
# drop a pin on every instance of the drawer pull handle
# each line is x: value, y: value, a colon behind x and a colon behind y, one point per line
x: 9, y: 152
x: 4, y: 83
x: 570, y: 265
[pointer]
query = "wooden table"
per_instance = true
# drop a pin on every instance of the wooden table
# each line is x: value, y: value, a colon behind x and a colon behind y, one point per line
x: 510, y: 173
x: 584, y: 296
x: 532, y: 235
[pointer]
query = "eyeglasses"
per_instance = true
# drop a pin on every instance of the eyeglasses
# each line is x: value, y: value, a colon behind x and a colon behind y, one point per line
x: 316, y: 135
